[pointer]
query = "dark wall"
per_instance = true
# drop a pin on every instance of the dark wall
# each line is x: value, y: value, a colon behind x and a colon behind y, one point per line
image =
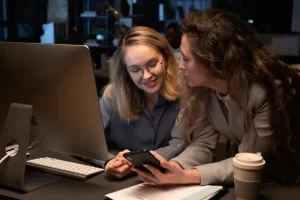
x: 25, y: 19
x: 148, y: 11
x: 270, y: 16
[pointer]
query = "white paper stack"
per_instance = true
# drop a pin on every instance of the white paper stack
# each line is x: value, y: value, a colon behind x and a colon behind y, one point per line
x: 150, y: 192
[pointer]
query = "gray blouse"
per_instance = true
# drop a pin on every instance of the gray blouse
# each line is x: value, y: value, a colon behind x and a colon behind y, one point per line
x: 152, y: 130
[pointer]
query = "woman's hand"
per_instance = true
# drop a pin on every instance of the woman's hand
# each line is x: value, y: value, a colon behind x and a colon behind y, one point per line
x: 174, y: 175
x: 118, y: 167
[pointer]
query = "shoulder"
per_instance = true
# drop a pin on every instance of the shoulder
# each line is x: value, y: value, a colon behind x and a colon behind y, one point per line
x: 256, y: 89
x: 258, y: 94
x: 107, y: 90
x: 107, y: 96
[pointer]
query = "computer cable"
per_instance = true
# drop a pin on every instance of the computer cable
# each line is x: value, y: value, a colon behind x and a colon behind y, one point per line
x: 8, y: 154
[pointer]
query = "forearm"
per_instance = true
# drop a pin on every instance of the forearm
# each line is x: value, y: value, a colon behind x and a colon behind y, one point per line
x: 175, y: 147
x: 212, y: 173
x: 216, y: 173
x: 201, y: 150
x: 191, y: 158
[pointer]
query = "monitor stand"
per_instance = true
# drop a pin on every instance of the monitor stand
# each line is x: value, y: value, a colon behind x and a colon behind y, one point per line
x: 13, y: 171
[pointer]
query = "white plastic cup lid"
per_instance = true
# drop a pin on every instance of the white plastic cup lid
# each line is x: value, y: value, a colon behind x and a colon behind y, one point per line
x: 249, y: 161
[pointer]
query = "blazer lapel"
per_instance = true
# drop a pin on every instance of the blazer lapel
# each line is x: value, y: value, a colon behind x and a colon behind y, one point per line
x: 216, y: 115
x: 237, y: 117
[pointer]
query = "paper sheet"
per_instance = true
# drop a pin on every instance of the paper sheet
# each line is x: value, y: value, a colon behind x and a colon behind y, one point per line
x: 150, y: 192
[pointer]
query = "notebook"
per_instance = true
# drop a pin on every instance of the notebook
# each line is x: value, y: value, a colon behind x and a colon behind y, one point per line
x: 151, y: 192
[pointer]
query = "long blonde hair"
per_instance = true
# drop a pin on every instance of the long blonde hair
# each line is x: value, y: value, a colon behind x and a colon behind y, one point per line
x: 125, y: 94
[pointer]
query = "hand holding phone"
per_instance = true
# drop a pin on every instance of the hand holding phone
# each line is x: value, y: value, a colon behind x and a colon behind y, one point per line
x: 140, y: 158
x: 118, y: 167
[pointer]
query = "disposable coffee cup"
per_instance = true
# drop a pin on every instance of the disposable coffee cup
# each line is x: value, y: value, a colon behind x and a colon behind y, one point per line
x: 247, y: 172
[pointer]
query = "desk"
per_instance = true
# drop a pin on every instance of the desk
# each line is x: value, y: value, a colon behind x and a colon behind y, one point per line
x: 98, y: 186
x: 94, y: 188
x: 269, y: 192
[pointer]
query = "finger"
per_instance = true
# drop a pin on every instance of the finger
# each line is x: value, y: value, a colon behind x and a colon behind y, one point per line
x: 109, y: 165
x: 120, y: 154
x: 125, y: 151
x: 123, y: 169
x: 119, y: 172
x: 146, y: 180
x: 118, y: 163
x: 124, y: 160
x: 150, y: 178
x: 159, y: 157
x: 144, y: 174
x: 117, y: 158
x: 154, y: 171
x: 164, y: 163
x: 172, y: 166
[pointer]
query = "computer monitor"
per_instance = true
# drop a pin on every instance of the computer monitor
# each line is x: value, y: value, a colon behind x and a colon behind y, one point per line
x: 59, y: 82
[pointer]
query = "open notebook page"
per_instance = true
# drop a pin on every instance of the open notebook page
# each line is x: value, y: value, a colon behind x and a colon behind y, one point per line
x: 150, y: 192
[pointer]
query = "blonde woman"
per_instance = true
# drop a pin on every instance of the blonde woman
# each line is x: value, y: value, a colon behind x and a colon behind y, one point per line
x: 236, y: 88
x: 140, y: 105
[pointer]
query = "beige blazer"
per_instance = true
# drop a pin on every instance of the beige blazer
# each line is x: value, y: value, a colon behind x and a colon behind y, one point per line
x: 199, y: 154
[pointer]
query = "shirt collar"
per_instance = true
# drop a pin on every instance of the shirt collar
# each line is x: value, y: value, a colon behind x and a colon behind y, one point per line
x: 222, y: 97
x: 161, y: 102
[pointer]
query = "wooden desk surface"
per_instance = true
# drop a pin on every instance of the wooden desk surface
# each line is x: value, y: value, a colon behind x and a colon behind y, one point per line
x: 98, y: 186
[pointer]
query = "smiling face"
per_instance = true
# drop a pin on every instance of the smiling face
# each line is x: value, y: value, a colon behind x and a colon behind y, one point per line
x: 195, y: 73
x: 146, y: 67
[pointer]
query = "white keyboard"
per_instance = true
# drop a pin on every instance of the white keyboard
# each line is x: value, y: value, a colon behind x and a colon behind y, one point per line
x: 65, y: 168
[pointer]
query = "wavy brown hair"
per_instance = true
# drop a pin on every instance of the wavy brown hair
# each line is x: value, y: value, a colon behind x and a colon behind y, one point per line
x: 125, y: 94
x: 233, y: 51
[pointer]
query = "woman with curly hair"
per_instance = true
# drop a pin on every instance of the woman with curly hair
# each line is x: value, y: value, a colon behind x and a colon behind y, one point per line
x: 233, y: 87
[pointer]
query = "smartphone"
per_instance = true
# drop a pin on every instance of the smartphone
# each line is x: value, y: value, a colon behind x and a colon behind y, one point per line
x: 139, y: 158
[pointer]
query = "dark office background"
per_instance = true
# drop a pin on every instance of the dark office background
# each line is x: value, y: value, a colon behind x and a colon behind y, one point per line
x: 99, y: 23
x: 27, y: 16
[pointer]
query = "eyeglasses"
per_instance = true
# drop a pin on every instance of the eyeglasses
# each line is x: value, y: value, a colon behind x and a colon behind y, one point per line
x: 153, y: 68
